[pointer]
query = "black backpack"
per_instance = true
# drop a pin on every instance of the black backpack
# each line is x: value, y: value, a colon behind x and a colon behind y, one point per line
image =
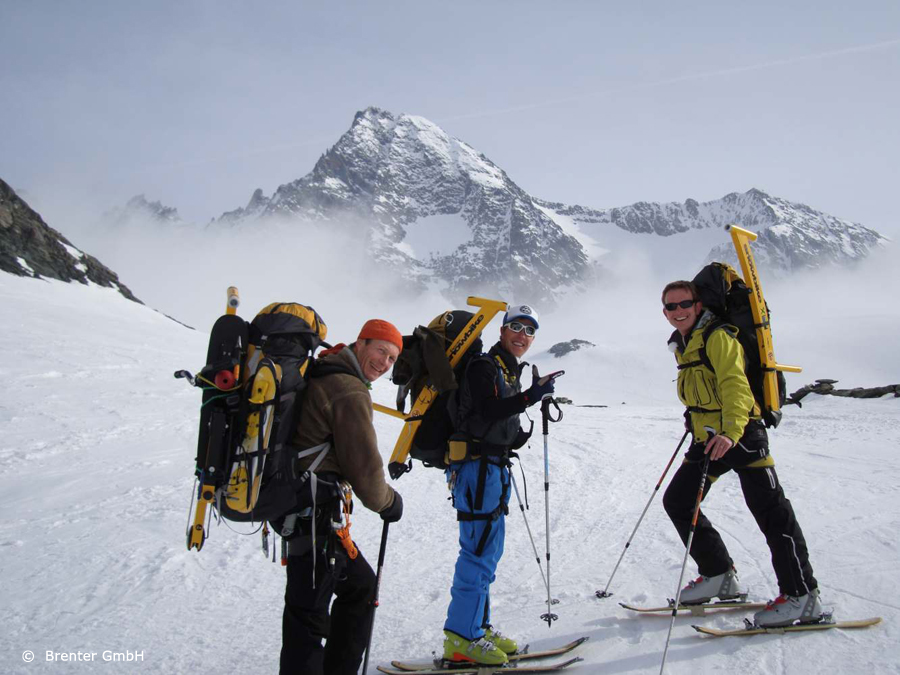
x: 724, y: 293
x: 424, y: 361
x: 253, y: 385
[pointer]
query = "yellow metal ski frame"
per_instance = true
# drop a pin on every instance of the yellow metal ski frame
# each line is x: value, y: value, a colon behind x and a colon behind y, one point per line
x: 741, y: 239
x: 487, y: 310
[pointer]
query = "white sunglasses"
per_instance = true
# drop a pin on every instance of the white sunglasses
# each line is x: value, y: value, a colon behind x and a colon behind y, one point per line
x: 517, y: 327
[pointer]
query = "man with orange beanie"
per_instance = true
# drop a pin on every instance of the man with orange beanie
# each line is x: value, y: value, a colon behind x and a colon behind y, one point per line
x: 336, y: 421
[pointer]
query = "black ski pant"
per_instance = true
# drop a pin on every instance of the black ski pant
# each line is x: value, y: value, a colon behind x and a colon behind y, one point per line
x: 307, y: 621
x: 764, y: 497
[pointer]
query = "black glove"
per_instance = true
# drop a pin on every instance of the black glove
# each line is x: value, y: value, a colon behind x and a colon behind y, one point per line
x: 394, y: 512
x: 537, y: 391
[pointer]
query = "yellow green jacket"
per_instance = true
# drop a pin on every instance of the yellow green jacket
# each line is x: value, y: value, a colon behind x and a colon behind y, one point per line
x: 719, y: 398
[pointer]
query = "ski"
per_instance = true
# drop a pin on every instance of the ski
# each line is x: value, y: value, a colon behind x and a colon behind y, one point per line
x: 822, y: 625
x: 475, y: 669
x: 697, y: 610
x: 414, y: 666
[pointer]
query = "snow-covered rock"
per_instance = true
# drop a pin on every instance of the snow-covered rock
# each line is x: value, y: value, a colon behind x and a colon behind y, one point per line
x: 432, y: 207
x: 31, y: 248
x: 792, y: 236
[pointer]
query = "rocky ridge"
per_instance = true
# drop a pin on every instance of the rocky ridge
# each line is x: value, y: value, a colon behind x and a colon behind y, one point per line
x: 390, y: 172
x: 792, y: 236
x: 31, y: 248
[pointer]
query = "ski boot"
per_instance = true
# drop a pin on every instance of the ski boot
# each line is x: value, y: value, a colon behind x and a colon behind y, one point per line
x: 504, y: 644
x: 481, y: 651
x: 786, y: 609
x: 703, y: 589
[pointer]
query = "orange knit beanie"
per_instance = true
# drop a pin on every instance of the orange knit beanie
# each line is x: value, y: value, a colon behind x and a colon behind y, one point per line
x: 376, y: 329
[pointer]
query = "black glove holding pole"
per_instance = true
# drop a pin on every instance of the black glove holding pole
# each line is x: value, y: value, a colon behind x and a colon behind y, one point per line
x: 394, y: 512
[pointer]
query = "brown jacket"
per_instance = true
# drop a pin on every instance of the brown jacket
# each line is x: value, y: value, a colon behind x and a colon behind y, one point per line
x: 338, y: 408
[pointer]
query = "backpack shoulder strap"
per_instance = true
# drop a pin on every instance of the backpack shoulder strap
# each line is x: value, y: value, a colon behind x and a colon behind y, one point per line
x: 708, y: 330
x: 714, y: 325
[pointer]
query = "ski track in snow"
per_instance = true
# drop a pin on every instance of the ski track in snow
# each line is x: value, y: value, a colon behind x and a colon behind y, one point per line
x: 96, y: 463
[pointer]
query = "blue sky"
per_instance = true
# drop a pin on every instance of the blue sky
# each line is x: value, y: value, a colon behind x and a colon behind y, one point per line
x: 598, y: 103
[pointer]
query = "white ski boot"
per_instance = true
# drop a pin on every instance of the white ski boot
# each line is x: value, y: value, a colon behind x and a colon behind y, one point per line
x: 703, y: 589
x: 787, y: 609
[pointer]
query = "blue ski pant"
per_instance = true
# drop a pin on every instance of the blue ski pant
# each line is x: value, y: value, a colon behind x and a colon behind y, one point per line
x: 480, y: 544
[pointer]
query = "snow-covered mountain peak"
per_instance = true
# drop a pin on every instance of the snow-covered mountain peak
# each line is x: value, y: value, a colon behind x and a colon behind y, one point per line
x: 429, y: 210
x: 140, y: 208
x: 792, y: 236
x: 432, y: 209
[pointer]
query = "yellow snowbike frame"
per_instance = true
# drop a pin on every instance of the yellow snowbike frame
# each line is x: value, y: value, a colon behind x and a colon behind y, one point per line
x: 487, y: 310
x: 741, y: 239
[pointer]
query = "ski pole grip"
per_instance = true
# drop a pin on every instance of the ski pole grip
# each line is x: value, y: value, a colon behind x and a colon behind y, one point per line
x: 545, y: 415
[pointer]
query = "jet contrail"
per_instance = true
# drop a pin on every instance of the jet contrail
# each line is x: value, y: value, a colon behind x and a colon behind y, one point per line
x: 675, y: 80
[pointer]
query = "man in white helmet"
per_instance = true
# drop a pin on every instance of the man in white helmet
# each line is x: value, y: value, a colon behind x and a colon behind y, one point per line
x: 487, y: 427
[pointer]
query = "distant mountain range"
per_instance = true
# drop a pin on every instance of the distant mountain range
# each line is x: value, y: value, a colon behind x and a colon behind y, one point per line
x: 434, y: 212
x: 401, y: 181
x: 792, y: 236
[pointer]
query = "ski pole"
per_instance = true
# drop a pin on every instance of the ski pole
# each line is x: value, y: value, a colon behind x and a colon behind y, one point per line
x: 512, y: 479
x: 384, y: 534
x: 605, y: 592
x: 549, y: 617
x: 687, y: 551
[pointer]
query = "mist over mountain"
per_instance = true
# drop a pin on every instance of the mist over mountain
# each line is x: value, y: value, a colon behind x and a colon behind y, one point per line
x: 430, y: 207
x: 792, y: 236
x: 399, y: 207
x: 31, y: 248
x: 435, y: 211
x: 138, y: 210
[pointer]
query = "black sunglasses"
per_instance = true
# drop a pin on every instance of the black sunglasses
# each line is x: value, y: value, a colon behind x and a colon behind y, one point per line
x: 684, y: 304
x: 517, y: 327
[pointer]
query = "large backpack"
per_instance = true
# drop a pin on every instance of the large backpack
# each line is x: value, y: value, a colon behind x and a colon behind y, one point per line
x: 724, y: 293
x: 424, y: 361
x: 282, y: 340
x: 253, y: 386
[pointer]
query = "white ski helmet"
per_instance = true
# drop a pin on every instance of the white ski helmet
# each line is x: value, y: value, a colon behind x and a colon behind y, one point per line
x: 514, y: 312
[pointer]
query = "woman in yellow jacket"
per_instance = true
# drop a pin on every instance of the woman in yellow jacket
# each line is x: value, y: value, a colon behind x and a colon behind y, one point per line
x: 725, y: 424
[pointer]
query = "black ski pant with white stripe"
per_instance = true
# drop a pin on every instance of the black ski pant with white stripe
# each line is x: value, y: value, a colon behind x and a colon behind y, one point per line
x: 764, y: 497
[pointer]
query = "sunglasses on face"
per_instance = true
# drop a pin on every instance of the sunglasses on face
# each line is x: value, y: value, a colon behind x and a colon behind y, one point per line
x: 517, y: 327
x: 684, y: 304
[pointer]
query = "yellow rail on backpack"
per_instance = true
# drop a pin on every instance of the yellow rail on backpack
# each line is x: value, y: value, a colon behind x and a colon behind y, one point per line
x: 487, y: 310
x: 741, y: 239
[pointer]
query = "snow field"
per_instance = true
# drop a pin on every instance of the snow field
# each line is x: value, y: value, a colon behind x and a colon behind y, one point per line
x: 96, y: 463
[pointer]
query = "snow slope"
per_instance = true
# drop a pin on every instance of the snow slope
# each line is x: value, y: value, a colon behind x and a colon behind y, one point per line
x: 96, y: 463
